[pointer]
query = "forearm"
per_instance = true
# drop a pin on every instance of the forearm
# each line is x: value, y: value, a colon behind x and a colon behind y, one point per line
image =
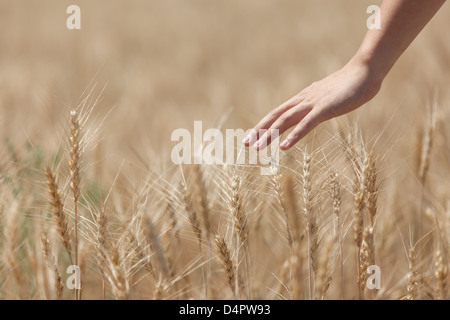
x: 401, y: 22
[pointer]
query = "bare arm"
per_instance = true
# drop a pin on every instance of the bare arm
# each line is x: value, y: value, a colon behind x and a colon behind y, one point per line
x: 402, y: 21
x: 357, y: 82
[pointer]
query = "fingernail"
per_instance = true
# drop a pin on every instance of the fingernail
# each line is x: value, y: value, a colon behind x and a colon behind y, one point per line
x: 251, y: 137
x: 284, y: 144
x: 246, y: 139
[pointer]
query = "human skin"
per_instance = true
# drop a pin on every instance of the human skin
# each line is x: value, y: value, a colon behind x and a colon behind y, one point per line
x: 356, y: 83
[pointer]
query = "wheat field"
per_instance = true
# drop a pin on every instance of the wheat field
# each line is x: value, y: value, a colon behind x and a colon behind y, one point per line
x: 86, y: 177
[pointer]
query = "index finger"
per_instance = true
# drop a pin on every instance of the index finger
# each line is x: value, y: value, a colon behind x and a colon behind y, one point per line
x: 269, y: 119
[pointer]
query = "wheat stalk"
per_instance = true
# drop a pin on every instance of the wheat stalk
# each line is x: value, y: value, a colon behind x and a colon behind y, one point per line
x: 58, y: 211
x: 192, y: 215
x: 102, y: 244
x: 336, y: 197
x: 328, y: 266
x: 52, y: 265
x: 281, y: 197
x: 237, y: 210
x: 117, y: 277
x: 203, y: 199
x: 426, y: 146
x: 74, y: 168
x: 366, y: 258
x: 154, y: 240
x: 141, y: 254
x: 313, y: 230
x: 358, y: 223
x: 11, y: 244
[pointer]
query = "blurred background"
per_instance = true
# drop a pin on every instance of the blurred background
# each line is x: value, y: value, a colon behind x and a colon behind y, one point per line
x: 164, y: 64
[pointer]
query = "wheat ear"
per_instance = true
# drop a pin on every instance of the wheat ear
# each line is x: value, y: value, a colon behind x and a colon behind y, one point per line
x: 228, y: 263
x: 58, y: 211
x: 413, y: 276
x: 441, y: 275
x: 366, y: 258
x: 237, y: 210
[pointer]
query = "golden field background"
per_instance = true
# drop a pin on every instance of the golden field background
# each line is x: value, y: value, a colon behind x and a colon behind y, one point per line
x: 161, y: 65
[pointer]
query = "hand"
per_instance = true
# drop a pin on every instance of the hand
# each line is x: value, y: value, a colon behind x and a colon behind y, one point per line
x: 339, y: 93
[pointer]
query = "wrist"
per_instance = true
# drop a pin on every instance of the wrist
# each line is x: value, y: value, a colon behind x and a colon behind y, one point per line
x: 371, y: 65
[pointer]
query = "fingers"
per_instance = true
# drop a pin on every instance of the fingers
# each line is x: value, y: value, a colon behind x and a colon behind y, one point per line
x: 269, y: 119
x: 309, y: 122
x: 283, y: 123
